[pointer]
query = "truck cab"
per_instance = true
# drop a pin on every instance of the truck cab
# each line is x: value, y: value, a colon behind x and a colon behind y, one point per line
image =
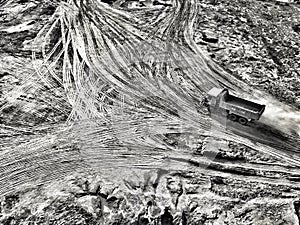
x: 221, y: 102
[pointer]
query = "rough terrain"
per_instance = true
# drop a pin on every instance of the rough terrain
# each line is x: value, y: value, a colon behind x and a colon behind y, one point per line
x: 102, y: 121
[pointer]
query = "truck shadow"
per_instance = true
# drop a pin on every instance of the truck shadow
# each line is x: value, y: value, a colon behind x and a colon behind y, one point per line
x: 262, y: 133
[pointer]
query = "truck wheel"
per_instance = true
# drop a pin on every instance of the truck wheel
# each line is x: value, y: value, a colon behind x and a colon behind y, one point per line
x: 243, y: 120
x: 232, y: 117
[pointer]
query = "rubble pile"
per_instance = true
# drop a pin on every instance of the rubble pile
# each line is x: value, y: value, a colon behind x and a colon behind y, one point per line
x: 179, y: 198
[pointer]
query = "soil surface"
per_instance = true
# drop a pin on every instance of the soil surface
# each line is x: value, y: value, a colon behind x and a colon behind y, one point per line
x: 102, y: 121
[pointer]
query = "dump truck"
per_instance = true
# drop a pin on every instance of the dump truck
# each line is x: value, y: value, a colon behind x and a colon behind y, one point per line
x: 220, y: 102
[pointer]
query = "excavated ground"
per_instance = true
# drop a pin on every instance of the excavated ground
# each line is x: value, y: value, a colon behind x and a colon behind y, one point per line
x: 103, y: 123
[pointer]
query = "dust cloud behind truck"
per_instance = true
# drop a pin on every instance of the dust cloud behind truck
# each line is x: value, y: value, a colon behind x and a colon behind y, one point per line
x: 220, y: 102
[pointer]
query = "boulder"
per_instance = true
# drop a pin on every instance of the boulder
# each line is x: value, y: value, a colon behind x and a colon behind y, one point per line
x: 91, y: 204
x: 210, y: 37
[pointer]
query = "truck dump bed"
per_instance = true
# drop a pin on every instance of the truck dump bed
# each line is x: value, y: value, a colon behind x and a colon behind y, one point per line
x: 220, y: 101
x: 248, y: 105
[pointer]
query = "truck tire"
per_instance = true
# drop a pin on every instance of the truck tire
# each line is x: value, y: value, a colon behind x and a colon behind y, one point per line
x: 232, y: 117
x: 243, y: 120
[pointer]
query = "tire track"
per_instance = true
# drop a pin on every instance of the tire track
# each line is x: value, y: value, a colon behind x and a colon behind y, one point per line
x: 107, y: 135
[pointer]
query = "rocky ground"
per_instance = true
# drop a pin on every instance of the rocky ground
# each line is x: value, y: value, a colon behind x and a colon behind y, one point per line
x: 257, y: 41
x: 144, y: 198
